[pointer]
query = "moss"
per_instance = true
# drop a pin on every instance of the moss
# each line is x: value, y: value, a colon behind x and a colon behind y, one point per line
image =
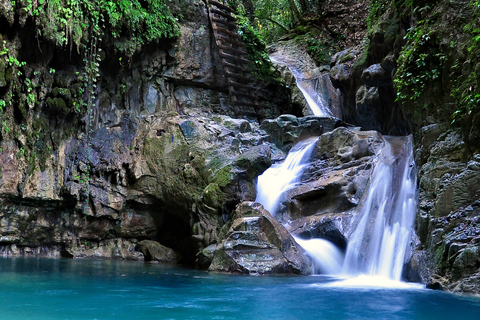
x: 3, y: 82
x: 213, y: 196
x: 223, y: 176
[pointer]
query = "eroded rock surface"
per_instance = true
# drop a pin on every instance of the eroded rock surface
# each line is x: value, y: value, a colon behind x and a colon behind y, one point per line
x: 337, y: 177
x: 256, y: 243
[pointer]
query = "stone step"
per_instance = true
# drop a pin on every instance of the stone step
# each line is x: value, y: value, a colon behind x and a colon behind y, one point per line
x: 223, y: 39
x: 237, y: 51
x: 229, y: 24
x: 220, y: 5
x: 242, y: 77
x: 234, y: 58
x: 241, y: 85
x: 227, y: 33
x: 227, y: 65
x: 223, y: 14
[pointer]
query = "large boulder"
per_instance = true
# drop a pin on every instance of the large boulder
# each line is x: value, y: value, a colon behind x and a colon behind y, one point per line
x: 256, y: 243
x: 337, y: 177
x: 154, y: 251
x: 285, y: 130
x: 332, y: 227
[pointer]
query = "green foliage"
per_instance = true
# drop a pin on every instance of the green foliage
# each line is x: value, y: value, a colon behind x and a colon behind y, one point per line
x: 419, y: 64
x: 5, y: 126
x: 466, y: 91
x: 256, y: 49
x: 321, y: 51
x: 377, y: 8
x: 127, y: 23
x: 271, y: 18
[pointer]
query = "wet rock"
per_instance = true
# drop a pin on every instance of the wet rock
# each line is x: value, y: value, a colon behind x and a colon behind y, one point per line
x: 204, y: 257
x: 116, y: 249
x: 341, y: 76
x: 286, y: 130
x: 154, y: 251
x: 254, y: 242
x: 367, y: 102
x: 376, y: 76
x: 338, y: 176
x: 331, y: 227
x: 12, y: 250
x: 419, y: 269
x: 347, y: 55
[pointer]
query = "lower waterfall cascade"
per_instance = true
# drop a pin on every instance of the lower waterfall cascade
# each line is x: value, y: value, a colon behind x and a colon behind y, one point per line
x: 389, y: 208
x: 382, y: 221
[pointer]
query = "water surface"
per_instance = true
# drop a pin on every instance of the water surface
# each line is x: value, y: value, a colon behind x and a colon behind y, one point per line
x: 87, y: 289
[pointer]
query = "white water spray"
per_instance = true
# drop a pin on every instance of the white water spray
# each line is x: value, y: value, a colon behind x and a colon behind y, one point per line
x: 386, y: 214
x: 283, y: 176
x: 310, y: 86
x: 326, y: 256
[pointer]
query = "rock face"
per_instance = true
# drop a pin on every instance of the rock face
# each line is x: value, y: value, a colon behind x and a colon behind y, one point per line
x: 447, y: 222
x: 157, y: 155
x: 338, y: 176
x: 256, y: 243
x: 369, y: 97
x: 154, y: 251
x: 286, y: 130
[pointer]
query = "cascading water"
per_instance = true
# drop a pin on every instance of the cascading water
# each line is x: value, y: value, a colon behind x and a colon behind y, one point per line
x: 280, y: 177
x: 326, y: 256
x: 311, y: 87
x: 283, y: 176
x: 386, y: 214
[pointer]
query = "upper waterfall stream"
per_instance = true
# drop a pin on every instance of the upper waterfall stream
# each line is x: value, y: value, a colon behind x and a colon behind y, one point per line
x: 313, y: 85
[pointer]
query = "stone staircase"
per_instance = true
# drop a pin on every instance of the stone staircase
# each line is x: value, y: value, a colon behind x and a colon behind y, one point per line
x: 234, y: 60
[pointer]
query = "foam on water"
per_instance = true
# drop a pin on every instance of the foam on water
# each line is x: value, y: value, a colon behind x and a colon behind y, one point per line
x: 373, y: 282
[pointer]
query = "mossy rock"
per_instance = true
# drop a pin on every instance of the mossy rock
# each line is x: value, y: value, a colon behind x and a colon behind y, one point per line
x: 223, y: 176
x: 213, y: 196
x: 3, y: 81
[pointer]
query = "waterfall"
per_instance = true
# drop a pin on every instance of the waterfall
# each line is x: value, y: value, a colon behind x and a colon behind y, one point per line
x: 314, y: 100
x: 283, y: 176
x: 311, y: 84
x: 386, y: 214
x: 280, y: 177
x: 326, y: 256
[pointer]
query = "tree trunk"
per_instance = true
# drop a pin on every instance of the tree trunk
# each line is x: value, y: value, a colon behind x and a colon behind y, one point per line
x: 295, y: 11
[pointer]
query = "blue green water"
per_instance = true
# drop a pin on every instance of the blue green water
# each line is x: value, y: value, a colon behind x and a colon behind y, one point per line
x: 86, y: 289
